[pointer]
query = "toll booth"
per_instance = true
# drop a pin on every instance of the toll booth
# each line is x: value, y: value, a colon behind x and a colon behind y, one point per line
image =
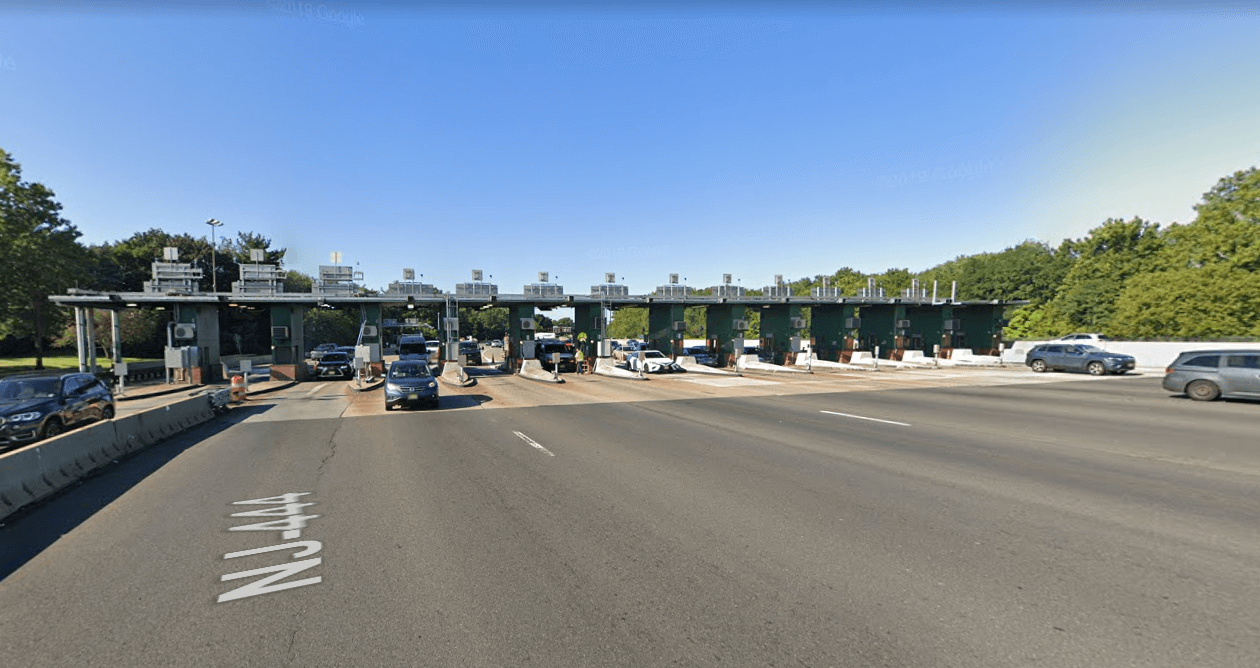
x: 926, y: 328
x: 288, y: 348
x: 780, y: 324
x: 723, y: 324
x: 886, y: 327
x: 834, y: 329
x: 974, y: 326
x: 587, y: 319
x: 666, y: 326
x: 197, y: 325
x: 371, y: 325
x: 521, y: 326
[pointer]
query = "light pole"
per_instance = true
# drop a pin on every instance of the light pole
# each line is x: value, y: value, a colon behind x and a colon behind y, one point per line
x: 214, y: 274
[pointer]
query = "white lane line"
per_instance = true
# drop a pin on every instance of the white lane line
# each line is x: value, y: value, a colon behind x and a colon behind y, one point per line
x: 316, y: 389
x: 859, y: 417
x: 534, y: 443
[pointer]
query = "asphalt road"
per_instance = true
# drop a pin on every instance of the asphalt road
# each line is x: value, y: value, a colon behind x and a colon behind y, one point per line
x: 1088, y: 523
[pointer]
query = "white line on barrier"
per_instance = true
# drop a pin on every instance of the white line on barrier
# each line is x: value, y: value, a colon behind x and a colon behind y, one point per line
x: 534, y: 443
x: 859, y: 417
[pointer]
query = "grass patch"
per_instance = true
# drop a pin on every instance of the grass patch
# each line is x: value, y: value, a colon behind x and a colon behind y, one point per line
x: 56, y: 361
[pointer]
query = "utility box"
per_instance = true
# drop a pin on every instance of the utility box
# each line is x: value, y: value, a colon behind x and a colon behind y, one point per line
x: 527, y: 350
x: 370, y: 352
x: 182, y: 357
x: 605, y: 349
x: 795, y: 342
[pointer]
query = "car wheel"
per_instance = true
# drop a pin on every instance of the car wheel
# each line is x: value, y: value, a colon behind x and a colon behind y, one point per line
x: 1039, y: 366
x: 107, y: 413
x: 52, y: 428
x: 388, y: 408
x: 1203, y: 390
x: 1096, y: 369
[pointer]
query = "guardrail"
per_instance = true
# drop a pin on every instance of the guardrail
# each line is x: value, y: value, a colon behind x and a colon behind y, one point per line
x: 38, y: 471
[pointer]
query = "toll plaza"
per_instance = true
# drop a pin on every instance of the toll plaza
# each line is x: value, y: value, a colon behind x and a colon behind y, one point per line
x: 837, y: 325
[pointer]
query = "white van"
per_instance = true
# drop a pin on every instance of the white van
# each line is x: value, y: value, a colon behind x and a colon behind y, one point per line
x: 413, y: 347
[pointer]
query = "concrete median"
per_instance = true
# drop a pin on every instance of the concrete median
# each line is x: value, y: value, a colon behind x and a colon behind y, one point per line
x: 38, y: 471
x: 533, y: 370
x: 606, y: 366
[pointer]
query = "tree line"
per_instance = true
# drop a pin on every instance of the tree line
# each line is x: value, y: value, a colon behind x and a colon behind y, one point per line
x: 1129, y: 279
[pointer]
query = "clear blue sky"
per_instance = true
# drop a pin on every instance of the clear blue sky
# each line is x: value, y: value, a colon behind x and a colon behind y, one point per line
x: 643, y: 139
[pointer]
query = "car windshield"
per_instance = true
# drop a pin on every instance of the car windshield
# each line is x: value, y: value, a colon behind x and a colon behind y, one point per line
x: 654, y: 354
x: 399, y: 371
x: 28, y: 388
x: 467, y: 346
x: 334, y: 357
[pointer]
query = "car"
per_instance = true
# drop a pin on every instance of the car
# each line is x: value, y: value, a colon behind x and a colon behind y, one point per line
x: 334, y: 365
x: 435, y: 349
x: 322, y: 348
x: 702, y: 355
x: 497, y: 343
x: 652, y: 361
x: 1077, y: 357
x: 1206, y: 375
x: 38, y: 406
x: 471, y: 352
x: 543, y: 351
x: 762, y: 355
x: 413, y: 347
x: 348, y: 350
x: 1090, y: 338
x: 410, y: 383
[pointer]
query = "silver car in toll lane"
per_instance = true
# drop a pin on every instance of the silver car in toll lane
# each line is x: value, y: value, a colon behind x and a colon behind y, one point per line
x: 1204, y: 375
x: 410, y: 383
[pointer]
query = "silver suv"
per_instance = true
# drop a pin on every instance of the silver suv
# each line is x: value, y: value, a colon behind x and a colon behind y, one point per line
x: 1204, y: 375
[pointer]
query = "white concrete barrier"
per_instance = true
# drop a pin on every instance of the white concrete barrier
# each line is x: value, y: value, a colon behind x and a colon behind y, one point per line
x: 1150, y: 355
x: 754, y: 363
x: 533, y: 370
x: 453, y: 374
x: 689, y: 363
x: 606, y: 366
x: 964, y: 356
x: 35, y: 472
x: 918, y: 359
x: 810, y: 360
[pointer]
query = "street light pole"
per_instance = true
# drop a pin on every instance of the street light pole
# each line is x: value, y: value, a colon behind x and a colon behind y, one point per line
x: 214, y: 273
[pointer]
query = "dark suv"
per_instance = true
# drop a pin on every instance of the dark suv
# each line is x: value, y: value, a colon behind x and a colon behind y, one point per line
x: 544, y: 349
x: 1077, y: 357
x: 1205, y: 375
x: 471, y: 352
x: 41, y: 406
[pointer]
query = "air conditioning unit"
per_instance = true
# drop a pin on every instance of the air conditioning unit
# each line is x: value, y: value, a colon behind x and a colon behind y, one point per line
x: 680, y: 325
x: 527, y: 324
x: 953, y: 325
x: 739, y: 325
x: 903, y: 324
x: 279, y: 332
x: 853, y: 323
x: 185, y: 330
x: 369, y: 330
x: 798, y: 323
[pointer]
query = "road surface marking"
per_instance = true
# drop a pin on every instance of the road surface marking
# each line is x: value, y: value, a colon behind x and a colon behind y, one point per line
x: 859, y: 417
x: 534, y: 443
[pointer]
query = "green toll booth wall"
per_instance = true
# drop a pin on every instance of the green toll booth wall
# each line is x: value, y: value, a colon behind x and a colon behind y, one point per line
x: 927, y: 324
x: 661, y: 319
x: 829, y: 336
x: 288, y: 353
x: 718, y: 321
x: 516, y: 313
x: 586, y: 321
x: 777, y: 330
x: 981, y: 327
x: 879, y: 328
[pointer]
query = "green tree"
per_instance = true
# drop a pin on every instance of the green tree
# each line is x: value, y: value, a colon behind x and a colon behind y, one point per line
x: 1112, y: 253
x: 39, y: 256
x: 1199, y: 302
x: 628, y: 323
x: 1226, y: 229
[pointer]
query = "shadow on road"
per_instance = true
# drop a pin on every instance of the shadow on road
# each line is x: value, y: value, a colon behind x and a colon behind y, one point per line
x: 29, y: 531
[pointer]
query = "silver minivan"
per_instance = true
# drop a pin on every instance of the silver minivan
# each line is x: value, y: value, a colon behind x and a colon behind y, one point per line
x: 1205, y: 375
